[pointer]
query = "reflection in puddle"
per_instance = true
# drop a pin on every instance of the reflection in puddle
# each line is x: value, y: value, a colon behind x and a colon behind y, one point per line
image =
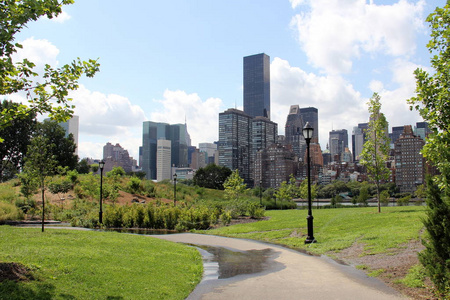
x: 221, y: 263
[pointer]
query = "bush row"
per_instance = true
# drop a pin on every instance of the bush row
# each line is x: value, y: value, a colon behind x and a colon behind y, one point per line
x: 169, y: 217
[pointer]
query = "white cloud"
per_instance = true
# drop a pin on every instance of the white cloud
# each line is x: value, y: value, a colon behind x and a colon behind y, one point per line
x: 40, y: 52
x: 335, y: 33
x: 338, y: 104
x: 202, y: 116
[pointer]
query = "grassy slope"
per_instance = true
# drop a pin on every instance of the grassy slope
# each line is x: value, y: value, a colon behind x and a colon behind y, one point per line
x: 335, y: 229
x: 97, y: 265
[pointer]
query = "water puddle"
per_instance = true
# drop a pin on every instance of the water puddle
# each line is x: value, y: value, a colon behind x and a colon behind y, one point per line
x: 222, y: 263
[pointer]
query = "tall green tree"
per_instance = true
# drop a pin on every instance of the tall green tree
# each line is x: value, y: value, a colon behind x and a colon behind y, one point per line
x: 432, y: 102
x: 212, y: 176
x: 376, y: 149
x: 40, y: 164
x: 50, y: 93
x: 234, y: 186
x: 17, y: 138
x: 63, y: 147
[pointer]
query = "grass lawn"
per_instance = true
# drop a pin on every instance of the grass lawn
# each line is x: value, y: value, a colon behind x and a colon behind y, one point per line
x: 72, y: 264
x: 335, y: 229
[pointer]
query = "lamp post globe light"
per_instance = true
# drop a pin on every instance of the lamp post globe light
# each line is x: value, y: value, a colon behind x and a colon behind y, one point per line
x: 308, y: 134
x: 175, y: 189
x: 101, y: 165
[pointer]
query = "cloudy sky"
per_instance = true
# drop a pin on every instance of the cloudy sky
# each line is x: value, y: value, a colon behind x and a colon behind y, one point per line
x: 171, y: 61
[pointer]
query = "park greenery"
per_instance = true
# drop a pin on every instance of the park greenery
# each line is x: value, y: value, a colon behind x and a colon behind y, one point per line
x: 45, y: 93
x: 73, y: 264
x: 431, y: 100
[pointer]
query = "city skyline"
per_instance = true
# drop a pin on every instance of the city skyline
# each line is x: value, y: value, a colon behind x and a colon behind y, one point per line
x: 170, y: 63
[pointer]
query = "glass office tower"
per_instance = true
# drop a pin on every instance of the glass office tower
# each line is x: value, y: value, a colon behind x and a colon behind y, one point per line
x: 257, y: 85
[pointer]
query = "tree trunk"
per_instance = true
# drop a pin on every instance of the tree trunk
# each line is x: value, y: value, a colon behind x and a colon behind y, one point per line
x: 43, y: 209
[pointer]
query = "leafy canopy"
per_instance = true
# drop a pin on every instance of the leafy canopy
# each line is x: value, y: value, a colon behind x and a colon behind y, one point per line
x: 50, y: 93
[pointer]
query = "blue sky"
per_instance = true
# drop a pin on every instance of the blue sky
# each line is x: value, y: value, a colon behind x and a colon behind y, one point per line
x: 172, y: 61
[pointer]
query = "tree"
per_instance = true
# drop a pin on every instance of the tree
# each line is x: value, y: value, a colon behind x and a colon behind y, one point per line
x: 49, y: 94
x: 432, y: 102
x: 212, y: 176
x: 17, y: 138
x: 436, y: 256
x: 64, y: 147
x: 83, y: 166
x: 363, y: 195
x: 40, y: 164
x: 234, y: 185
x: 304, y: 190
x: 376, y: 149
x: 286, y: 191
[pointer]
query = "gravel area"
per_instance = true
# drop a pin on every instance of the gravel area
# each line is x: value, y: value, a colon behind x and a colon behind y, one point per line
x: 396, y: 264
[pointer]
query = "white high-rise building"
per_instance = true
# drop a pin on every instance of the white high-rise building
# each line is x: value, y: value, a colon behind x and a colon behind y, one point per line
x: 163, y: 160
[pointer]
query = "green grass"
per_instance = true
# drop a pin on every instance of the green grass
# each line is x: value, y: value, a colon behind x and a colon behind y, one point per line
x: 335, y: 229
x: 415, y: 277
x: 71, y: 264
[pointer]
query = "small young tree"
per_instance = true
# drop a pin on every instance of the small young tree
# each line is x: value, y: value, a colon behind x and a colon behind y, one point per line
x: 40, y: 164
x: 376, y: 149
x: 234, y: 186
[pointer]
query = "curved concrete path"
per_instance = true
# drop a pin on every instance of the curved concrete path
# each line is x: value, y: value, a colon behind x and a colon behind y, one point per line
x: 290, y: 275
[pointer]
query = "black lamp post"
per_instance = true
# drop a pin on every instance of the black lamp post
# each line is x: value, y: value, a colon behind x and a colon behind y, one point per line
x: 175, y: 189
x: 308, y: 133
x: 101, y: 164
x: 260, y: 192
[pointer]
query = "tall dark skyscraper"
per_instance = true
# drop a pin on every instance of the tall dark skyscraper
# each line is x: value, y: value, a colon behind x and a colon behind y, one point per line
x: 311, y: 115
x: 257, y: 85
x: 235, y: 142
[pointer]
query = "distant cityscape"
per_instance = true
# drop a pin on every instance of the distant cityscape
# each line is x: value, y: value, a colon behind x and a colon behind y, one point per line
x: 249, y: 142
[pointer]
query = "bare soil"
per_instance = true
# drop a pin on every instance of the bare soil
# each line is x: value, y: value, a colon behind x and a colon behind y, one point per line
x: 14, y: 271
x: 395, y: 264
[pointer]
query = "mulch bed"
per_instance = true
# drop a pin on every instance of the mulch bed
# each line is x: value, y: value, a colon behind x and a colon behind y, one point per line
x: 14, y: 272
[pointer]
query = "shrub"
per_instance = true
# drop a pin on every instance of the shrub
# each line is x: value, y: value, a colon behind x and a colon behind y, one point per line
x: 134, y: 185
x: 9, y: 212
x: 25, y: 204
x: 255, y: 211
x: 225, y: 218
x: 404, y: 201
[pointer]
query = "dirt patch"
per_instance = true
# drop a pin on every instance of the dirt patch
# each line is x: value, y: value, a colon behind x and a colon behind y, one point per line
x: 14, y: 272
x: 396, y: 264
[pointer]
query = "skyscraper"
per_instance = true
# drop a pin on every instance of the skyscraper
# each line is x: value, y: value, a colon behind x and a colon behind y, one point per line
x: 358, y: 140
x: 409, y: 162
x: 311, y: 115
x: 257, y: 85
x: 421, y: 129
x: 176, y: 134
x: 338, y: 142
x: 293, y: 131
x: 235, y: 139
x: 163, y: 160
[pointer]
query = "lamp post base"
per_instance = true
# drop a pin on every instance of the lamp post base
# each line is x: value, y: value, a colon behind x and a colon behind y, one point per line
x: 310, y: 238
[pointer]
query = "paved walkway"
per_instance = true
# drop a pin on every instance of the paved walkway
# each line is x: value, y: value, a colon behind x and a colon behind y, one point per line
x: 289, y: 275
